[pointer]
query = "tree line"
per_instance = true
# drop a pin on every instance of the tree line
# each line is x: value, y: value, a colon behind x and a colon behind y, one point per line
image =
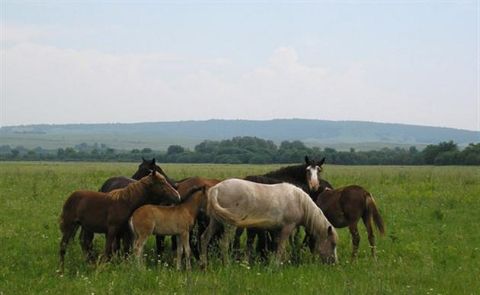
x: 253, y: 150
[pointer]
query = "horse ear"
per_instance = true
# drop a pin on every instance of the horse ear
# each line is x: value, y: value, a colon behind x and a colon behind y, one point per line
x: 320, y: 163
x: 153, y: 161
x: 330, y: 231
x: 307, y: 160
x: 143, y: 159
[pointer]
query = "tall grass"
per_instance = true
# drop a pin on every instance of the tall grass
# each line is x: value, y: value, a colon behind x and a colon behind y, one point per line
x: 432, y: 245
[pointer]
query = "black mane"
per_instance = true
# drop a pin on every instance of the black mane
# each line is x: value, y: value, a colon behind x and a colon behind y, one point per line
x: 295, y: 175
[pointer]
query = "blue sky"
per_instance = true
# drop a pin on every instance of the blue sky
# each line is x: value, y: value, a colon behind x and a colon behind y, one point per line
x: 412, y: 62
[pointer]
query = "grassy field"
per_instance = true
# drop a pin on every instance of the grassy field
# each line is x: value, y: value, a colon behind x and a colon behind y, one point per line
x: 432, y: 245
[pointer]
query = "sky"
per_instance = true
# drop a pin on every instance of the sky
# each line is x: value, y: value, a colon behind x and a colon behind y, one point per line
x: 412, y: 62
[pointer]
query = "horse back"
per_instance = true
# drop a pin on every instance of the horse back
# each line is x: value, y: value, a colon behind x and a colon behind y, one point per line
x: 91, y: 209
x: 115, y: 183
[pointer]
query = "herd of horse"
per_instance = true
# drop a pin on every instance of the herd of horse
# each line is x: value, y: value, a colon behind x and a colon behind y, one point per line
x: 270, y: 207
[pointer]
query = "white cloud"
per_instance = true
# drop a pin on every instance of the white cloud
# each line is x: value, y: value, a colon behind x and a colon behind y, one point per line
x: 46, y: 84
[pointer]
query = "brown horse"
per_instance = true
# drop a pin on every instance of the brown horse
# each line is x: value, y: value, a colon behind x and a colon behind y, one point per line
x: 98, y: 212
x: 168, y: 220
x: 345, y: 206
x: 183, y: 187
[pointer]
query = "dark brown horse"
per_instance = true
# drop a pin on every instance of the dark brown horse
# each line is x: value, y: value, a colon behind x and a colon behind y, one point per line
x: 345, y: 206
x: 143, y: 170
x: 304, y: 176
x: 98, y: 212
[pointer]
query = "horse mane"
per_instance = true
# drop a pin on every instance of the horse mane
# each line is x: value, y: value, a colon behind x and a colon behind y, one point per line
x: 314, y: 219
x: 133, y: 190
x: 296, y: 172
x: 262, y: 179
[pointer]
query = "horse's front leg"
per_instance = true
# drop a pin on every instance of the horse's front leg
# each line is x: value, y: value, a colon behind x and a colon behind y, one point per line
x: 285, y: 232
x: 110, y: 241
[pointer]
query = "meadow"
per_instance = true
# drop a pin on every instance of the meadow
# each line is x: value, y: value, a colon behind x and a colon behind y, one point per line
x: 431, y: 246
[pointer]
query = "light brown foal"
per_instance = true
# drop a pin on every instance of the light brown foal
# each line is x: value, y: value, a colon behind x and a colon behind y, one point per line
x: 168, y: 220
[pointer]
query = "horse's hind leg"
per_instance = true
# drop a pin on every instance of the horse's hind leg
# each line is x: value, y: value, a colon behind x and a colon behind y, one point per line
x: 355, y: 238
x: 225, y: 242
x: 207, y: 235
x: 371, y: 237
x: 68, y: 231
x: 86, y: 241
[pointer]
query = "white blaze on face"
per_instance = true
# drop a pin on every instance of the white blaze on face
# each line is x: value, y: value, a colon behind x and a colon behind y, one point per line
x: 313, y: 183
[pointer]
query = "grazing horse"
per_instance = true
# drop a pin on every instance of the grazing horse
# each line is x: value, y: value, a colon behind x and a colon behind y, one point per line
x: 345, y: 206
x: 98, y: 212
x: 304, y: 176
x: 143, y: 170
x: 280, y: 207
x: 175, y: 220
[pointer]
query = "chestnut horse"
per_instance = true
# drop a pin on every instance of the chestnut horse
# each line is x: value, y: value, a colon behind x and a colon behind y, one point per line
x: 175, y: 220
x: 183, y: 187
x: 98, y: 212
x: 345, y: 206
x: 279, y: 207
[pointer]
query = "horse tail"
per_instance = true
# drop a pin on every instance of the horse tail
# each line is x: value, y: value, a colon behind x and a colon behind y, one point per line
x: 216, y: 211
x: 373, y: 211
x: 132, y: 227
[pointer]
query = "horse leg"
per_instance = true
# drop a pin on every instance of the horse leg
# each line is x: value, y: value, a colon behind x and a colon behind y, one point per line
x: 236, y: 241
x: 282, y: 237
x: 138, y: 245
x: 68, y: 232
x: 159, y: 239
x: 179, y: 251
x: 186, y: 250
x: 86, y: 241
x: 110, y: 242
x: 225, y: 242
x: 355, y: 238
x: 250, y: 240
x: 367, y: 220
x: 211, y: 229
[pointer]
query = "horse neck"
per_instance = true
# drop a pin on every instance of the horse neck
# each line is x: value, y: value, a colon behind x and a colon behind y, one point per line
x: 135, y: 193
x: 192, y: 204
x: 291, y: 174
x: 313, y: 218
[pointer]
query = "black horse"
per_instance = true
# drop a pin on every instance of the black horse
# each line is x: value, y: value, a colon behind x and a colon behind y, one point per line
x: 144, y: 169
x: 298, y: 175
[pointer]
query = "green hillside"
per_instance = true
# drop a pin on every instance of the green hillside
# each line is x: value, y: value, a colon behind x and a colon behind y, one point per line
x: 159, y: 135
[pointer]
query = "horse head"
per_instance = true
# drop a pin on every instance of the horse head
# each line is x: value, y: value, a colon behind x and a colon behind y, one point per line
x: 160, y: 189
x: 147, y: 166
x: 327, y: 248
x: 313, y: 170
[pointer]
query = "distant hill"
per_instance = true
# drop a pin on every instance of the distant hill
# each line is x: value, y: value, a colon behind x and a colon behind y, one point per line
x: 159, y: 135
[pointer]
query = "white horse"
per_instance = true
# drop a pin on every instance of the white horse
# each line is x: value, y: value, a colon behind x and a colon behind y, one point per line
x: 282, y: 207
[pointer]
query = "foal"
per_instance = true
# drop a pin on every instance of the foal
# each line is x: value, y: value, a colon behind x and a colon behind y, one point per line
x: 345, y: 206
x: 168, y: 220
x: 105, y: 213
